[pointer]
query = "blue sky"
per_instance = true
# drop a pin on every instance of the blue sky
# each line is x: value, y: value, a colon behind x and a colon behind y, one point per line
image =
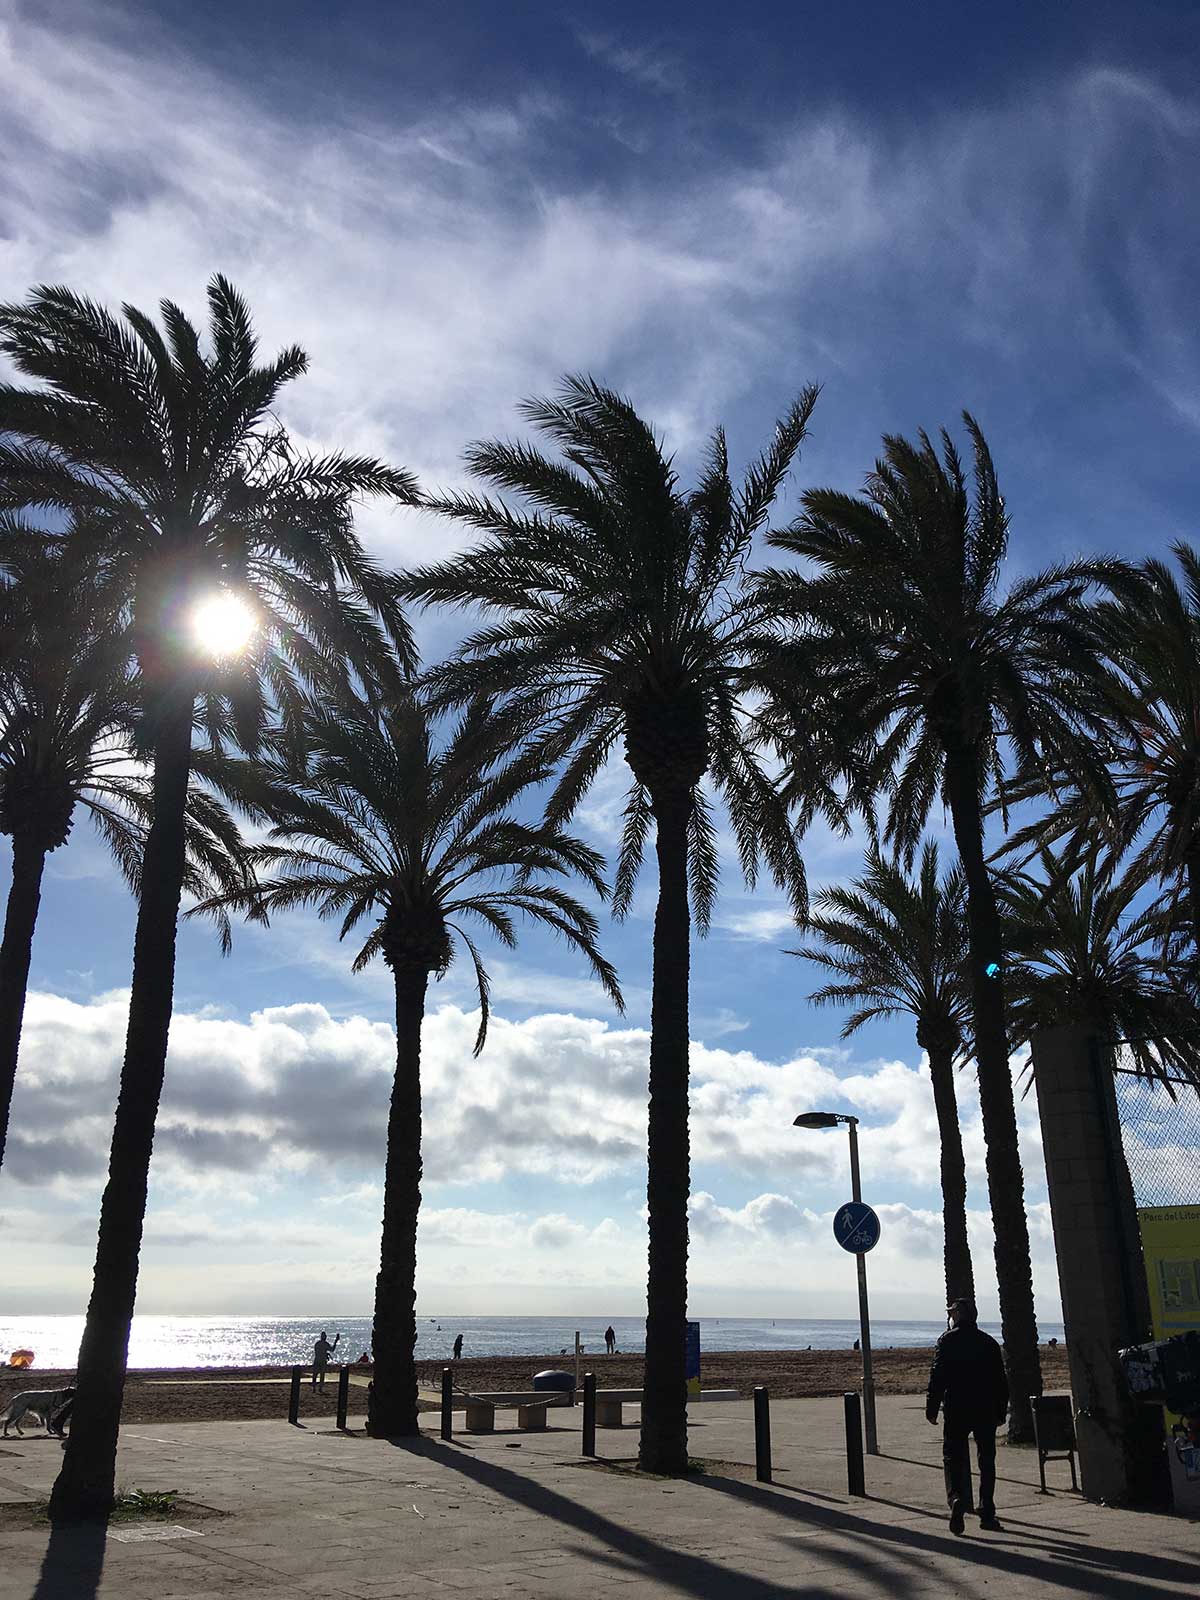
x: 923, y: 208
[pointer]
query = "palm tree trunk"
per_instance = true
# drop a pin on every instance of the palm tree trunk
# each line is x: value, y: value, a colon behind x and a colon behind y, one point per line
x: 24, y: 897
x: 663, y: 1445
x: 1006, y: 1181
x: 84, y: 1487
x: 392, y: 1411
x: 960, y: 1278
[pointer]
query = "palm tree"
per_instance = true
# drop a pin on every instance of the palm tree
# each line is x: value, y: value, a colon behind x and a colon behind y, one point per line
x: 621, y: 620
x: 900, y: 944
x: 928, y: 674
x: 1088, y: 971
x: 1086, y: 951
x: 68, y: 706
x: 1149, y: 630
x: 170, y: 457
x: 384, y: 823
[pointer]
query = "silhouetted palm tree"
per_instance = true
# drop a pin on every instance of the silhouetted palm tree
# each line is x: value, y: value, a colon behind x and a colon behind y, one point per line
x: 1149, y: 631
x: 928, y: 673
x: 899, y: 944
x: 68, y: 707
x: 1087, y: 961
x: 1086, y: 950
x: 621, y: 621
x: 383, y: 822
x: 171, y: 458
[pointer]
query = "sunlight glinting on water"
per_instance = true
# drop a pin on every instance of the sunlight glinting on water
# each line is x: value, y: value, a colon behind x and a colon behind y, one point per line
x: 164, y: 1341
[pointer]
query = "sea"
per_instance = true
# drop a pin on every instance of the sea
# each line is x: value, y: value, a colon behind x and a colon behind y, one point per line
x: 262, y: 1341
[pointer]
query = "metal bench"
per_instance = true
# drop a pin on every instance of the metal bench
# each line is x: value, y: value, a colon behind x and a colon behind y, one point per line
x: 611, y: 1403
x: 530, y: 1406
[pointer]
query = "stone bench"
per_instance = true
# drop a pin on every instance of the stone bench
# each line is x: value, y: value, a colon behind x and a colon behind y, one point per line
x: 530, y: 1407
x: 611, y: 1403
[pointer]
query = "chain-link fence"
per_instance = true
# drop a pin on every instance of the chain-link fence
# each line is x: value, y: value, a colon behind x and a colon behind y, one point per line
x: 1160, y: 1133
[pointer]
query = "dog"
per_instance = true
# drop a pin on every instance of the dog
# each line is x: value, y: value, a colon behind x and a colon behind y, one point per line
x: 41, y: 1403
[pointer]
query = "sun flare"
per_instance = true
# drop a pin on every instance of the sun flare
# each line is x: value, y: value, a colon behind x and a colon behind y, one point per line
x: 223, y: 624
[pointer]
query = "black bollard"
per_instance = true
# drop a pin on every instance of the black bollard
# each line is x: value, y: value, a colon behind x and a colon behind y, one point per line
x: 447, y: 1403
x: 762, y: 1434
x: 856, y: 1482
x: 294, y: 1397
x: 589, y: 1413
x: 343, y: 1396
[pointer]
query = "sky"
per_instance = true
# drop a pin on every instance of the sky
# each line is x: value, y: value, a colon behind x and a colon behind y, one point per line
x: 923, y: 208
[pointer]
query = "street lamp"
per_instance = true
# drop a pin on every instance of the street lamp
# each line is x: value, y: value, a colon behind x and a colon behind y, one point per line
x: 830, y: 1119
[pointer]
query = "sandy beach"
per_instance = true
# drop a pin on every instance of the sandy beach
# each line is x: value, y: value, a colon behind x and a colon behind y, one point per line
x: 209, y: 1394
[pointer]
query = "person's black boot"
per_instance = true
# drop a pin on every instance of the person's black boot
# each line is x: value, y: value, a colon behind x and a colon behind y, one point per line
x: 957, y: 1520
x: 990, y: 1523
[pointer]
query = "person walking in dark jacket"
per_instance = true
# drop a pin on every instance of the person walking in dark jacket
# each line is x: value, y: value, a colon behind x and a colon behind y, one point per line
x: 969, y: 1384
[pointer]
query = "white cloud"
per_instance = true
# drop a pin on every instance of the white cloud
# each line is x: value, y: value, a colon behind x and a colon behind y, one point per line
x: 716, y: 1024
x: 430, y: 289
x: 556, y: 1232
x: 436, y: 274
x: 270, y: 1145
x: 295, y: 1088
x: 767, y: 923
x: 769, y: 1216
x: 655, y: 69
x: 463, y: 1228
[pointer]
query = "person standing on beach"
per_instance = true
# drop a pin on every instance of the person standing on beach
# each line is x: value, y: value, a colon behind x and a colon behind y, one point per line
x: 322, y: 1351
x: 969, y: 1383
x: 458, y: 1347
x: 610, y: 1340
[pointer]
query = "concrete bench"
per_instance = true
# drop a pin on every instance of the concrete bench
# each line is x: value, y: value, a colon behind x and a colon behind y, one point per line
x: 530, y: 1407
x: 611, y: 1403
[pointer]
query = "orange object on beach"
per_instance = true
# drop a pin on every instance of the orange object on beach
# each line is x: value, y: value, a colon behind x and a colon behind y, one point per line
x: 21, y: 1358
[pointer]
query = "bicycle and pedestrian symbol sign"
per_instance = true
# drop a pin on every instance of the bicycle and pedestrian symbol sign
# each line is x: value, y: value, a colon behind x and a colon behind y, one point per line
x: 856, y: 1227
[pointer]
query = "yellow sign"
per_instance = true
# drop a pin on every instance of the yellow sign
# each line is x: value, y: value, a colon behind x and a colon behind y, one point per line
x: 1171, y: 1250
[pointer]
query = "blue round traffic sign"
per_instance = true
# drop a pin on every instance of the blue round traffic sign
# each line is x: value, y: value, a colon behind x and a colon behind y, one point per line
x: 856, y: 1227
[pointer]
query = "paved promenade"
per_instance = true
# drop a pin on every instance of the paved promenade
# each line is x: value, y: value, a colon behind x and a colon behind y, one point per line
x: 311, y: 1512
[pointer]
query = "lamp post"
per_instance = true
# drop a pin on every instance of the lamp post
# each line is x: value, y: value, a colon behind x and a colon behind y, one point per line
x: 830, y: 1119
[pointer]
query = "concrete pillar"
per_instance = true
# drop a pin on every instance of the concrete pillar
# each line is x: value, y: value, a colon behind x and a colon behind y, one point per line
x: 1100, y: 1271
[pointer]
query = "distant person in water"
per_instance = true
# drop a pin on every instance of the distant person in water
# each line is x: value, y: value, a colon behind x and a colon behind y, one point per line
x: 968, y: 1382
x: 364, y: 1360
x: 458, y: 1347
x: 610, y: 1340
x: 857, y: 1345
x: 322, y: 1351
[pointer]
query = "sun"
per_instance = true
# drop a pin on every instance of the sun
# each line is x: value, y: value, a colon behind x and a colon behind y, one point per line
x: 223, y: 624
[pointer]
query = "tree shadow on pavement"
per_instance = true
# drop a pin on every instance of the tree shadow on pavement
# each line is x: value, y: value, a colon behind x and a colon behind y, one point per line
x: 936, y: 1466
x: 73, y: 1562
x: 1088, y: 1568
x: 638, y: 1554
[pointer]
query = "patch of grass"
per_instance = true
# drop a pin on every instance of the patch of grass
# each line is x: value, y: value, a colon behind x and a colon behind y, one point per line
x: 133, y: 1503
